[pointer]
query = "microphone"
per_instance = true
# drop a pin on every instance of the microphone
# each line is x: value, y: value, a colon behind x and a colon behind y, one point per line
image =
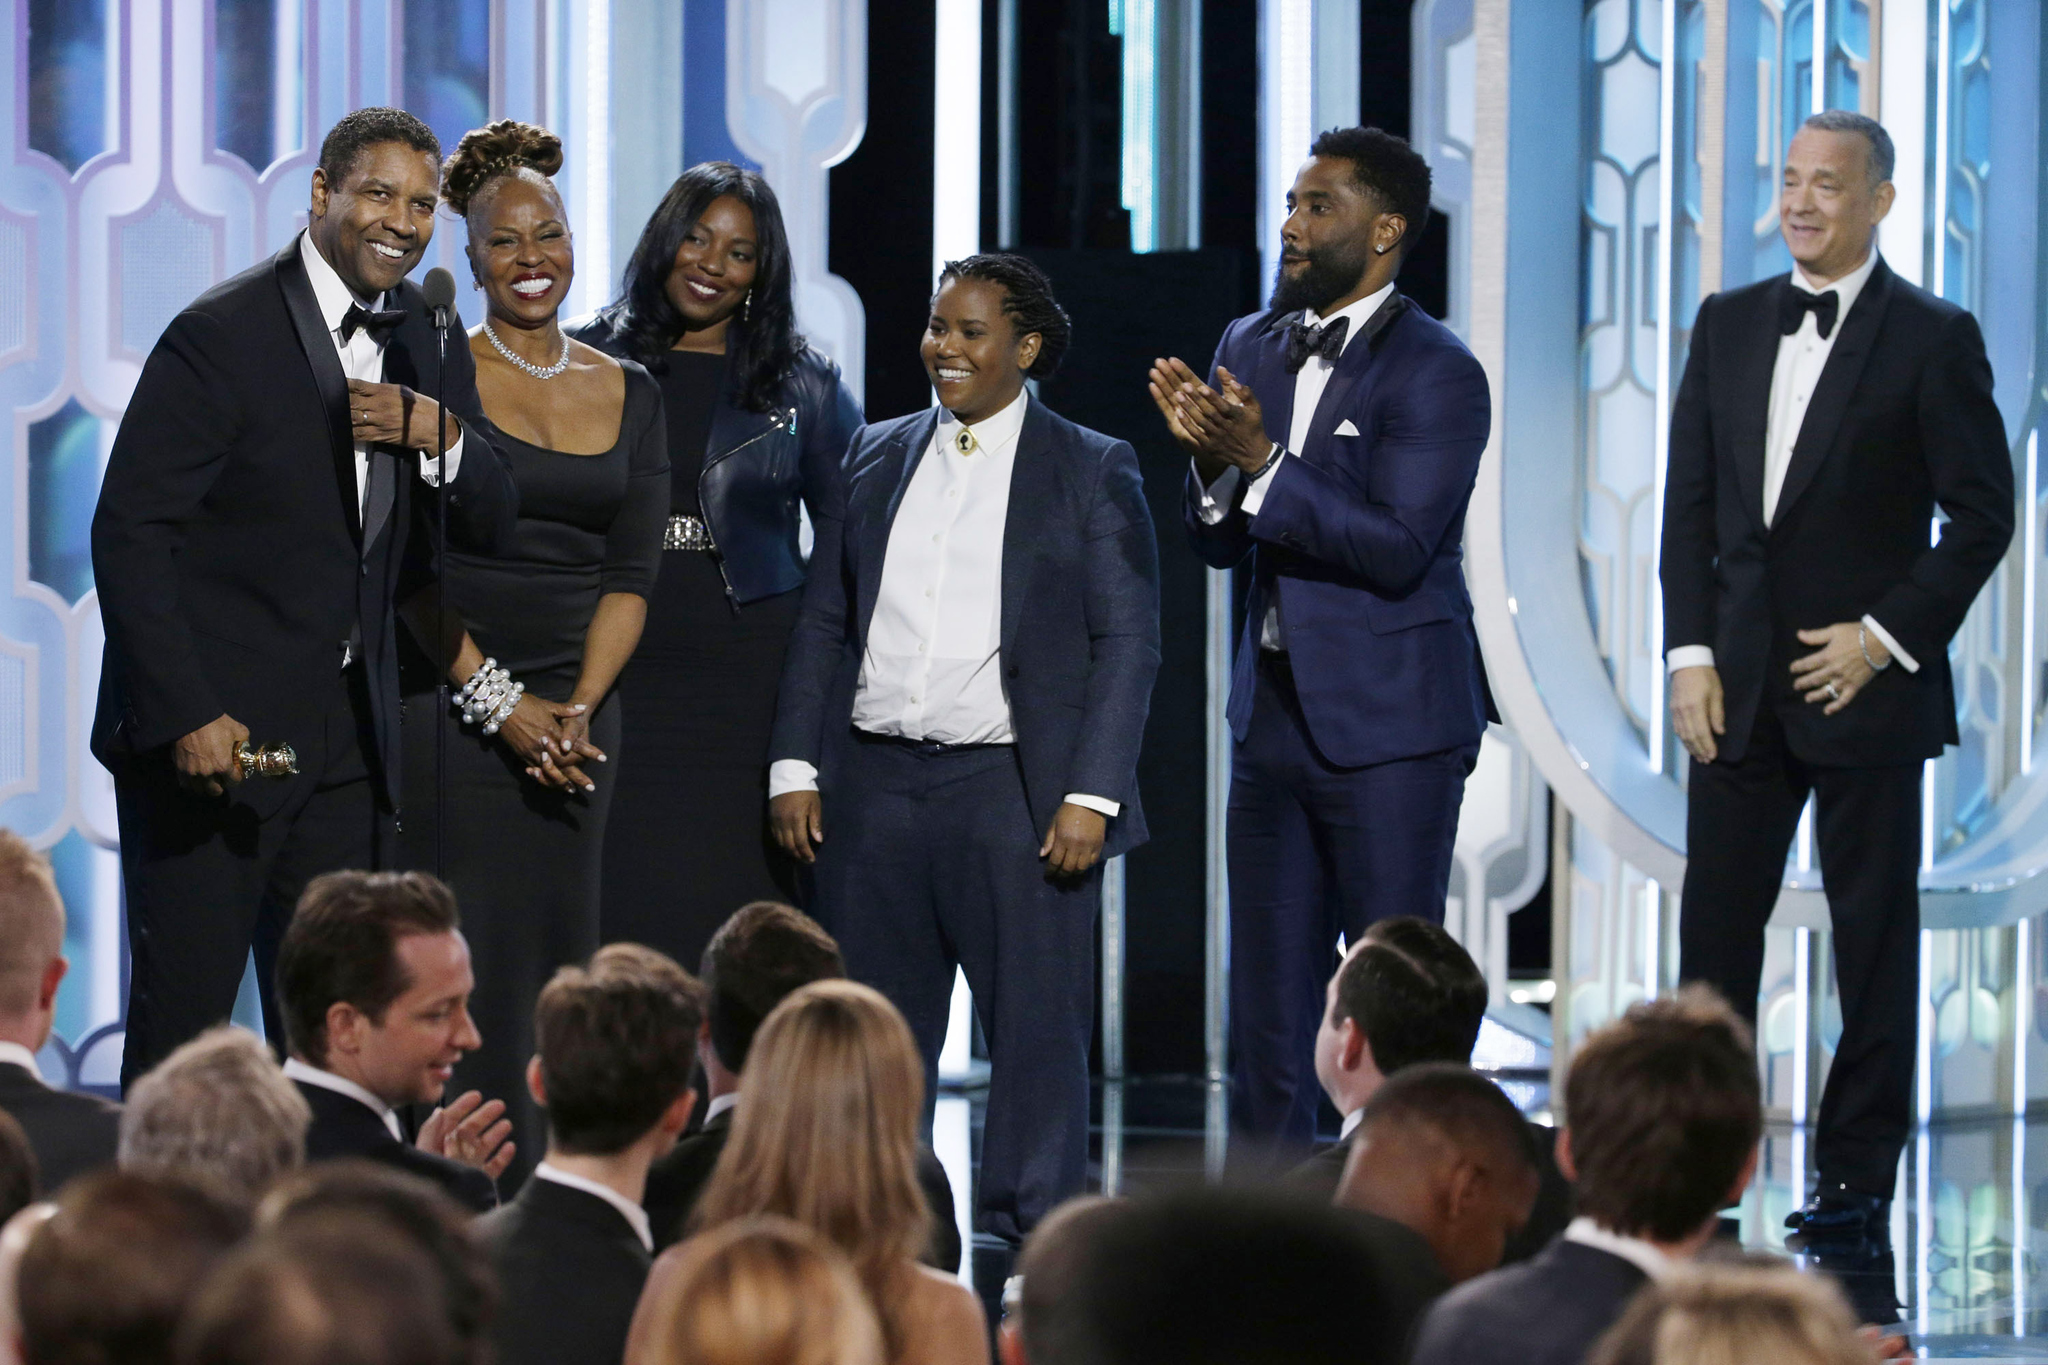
x: 439, y: 288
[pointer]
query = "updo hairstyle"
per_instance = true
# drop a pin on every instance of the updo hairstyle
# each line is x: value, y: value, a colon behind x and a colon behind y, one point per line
x: 502, y: 148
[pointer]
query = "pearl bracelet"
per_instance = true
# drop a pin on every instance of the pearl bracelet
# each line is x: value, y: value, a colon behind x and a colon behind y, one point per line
x: 505, y: 708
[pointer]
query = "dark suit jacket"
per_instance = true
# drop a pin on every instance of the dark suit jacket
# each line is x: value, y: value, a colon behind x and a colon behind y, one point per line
x: 1407, y: 1279
x: 344, y: 1127
x: 677, y: 1180
x: 227, y: 548
x: 1548, y: 1311
x: 1080, y: 611
x: 1361, y: 538
x: 1902, y: 421
x: 570, y: 1270
x: 69, y: 1132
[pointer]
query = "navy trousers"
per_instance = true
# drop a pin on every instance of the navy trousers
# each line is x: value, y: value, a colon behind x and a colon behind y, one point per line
x: 930, y: 861
x: 1316, y: 851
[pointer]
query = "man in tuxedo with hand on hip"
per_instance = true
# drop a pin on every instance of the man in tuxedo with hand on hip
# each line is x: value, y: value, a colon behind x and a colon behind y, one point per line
x: 248, y: 548
x: 1823, y: 418
x: 1336, y: 444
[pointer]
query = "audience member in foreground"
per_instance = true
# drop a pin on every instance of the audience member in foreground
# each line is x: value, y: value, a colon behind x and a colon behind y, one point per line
x: 218, y: 1113
x: 331, y: 1289
x: 762, y: 1291
x: 14, y: 1239
x: 1038, y: 1325
x: 760, y: 955
x: 105, y: 1280
x: 1731, y: 1315
x: 373, y: 981
x: 1408, y: 993
x: 613, y: 1075
x: 1442, y: 1151
x: 826, y: 1134
x: 70, y: 1132
x: 19, y: 1180
x: 412, y: 1210
x: 1662, y: 1116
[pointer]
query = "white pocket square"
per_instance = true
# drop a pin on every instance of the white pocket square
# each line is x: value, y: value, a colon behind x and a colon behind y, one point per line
x: 1344, y: 428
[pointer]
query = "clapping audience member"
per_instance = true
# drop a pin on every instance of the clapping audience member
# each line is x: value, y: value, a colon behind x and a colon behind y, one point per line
x: 373, y: 980
x: 763, y: 1291
x: 1038, y: 1322
x: 1408, y: 993
x: 1732, y: 1315
x: 218, y: 1112
x: 1662, y: 1117
x: 1442, y: 1152
x: 613, y: 1075
x: 757, y: 957
x: 105, y: 1280
x: 826, y: 1134
x: 19, y: 1180
x: 70, y: 1132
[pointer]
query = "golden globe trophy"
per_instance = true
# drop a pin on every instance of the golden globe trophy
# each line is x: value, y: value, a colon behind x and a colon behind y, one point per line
x: 267, y: 760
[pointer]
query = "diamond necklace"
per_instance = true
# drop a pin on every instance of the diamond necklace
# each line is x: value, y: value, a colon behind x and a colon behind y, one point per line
x: 537, y: 371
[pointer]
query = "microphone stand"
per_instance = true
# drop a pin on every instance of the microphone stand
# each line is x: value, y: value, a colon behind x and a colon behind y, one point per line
x: 441, y: 594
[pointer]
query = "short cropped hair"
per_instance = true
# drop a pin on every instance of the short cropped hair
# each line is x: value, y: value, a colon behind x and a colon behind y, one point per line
x: 108, y: 1276
x: 1663, y: 1108
x: 20, y: 1181
x: 342, y: 946
x: 616, y: 1041
x: 1883, y: 156
x: 1414, y: 992
x: 1469, y: 1110
x: 1387, y: 168
x: 357, y: 132
x: 1707, y: 1314
x: 1052, y: 1259
x: 218, y: 1112
x: 756, y: 960
x: 31, y: 923
x: 1027, y: 302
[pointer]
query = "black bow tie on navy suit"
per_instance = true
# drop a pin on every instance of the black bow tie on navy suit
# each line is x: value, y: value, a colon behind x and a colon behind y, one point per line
x: 378, y: 322
x: 1795, y: 303
x: 1304, y: 341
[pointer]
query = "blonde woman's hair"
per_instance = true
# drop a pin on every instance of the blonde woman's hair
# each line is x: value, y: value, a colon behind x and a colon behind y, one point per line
x: 765, y: 1291
x: 825, y: 1134
x: 1735, y: 1315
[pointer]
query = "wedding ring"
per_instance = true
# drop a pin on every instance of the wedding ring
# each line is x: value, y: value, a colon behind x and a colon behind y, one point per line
x: 1834, y: 692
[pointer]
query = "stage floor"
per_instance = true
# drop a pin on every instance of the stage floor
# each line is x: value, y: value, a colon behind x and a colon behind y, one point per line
x: 1966, y: 1272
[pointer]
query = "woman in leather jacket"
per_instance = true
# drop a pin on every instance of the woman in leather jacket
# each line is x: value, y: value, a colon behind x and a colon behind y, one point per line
x: 757, y: 423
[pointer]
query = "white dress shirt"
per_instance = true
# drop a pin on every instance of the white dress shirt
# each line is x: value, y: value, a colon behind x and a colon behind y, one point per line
x: 1801, y: 358
x: 1309, y: 384
x: 630, y: 1211
x: 362, y: 357
x: 296, y: 1070
x: 14, y: 1054
x: 933, y: 668
x: 1644, y: 1256
x: 720, y: 1103
x: 1351, y: 1122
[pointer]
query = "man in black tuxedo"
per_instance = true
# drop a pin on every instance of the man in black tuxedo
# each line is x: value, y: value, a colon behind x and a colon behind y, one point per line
x: 248, y: 549
x: 572, y: 1251
x: 69, y: 1132
x: 1823, y: 417
x: 373, y: 981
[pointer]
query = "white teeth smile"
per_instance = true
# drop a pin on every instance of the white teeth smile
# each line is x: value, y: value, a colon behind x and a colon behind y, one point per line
x: 701, y: 291
x: 953, y: 376
x: 390, y: 253
x: 532, y: 289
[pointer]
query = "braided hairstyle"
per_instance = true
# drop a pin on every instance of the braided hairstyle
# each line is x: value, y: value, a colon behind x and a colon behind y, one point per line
x: 1027, y: 302
x: 507, y: 147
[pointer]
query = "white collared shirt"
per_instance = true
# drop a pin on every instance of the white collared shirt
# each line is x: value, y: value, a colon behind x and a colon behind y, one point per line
x: 933, y: 668
x: 628, y: 1210
x: 1351, y: 1122
x: 362, y: 357
x: 1801, y: 358
x: 1639, y: 1253
x: 296, y: 1070
x: 14, y: 1054
x: 719, y: 1104
x: 1309, y: 384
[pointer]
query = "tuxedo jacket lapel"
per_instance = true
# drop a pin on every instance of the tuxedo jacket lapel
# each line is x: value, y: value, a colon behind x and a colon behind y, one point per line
x: 1753, y: 416
x: 327, y: 375
x: 1830, y: 402
x: 1033, y: 477
x: 1340, y: 395
x: 1269, y: 382
x: 871, y: 540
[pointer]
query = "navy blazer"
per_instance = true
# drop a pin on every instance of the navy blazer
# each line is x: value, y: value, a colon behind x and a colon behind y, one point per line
x: 1361, y: 538
x: 1080, y: 612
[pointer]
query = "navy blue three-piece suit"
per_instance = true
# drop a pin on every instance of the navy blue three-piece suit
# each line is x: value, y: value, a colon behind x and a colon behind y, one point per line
x: 930, y: 857
x: 1353, y: 742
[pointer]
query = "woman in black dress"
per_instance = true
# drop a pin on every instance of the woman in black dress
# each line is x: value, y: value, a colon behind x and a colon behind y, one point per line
x: 757, y: 423
x: 539, y: 633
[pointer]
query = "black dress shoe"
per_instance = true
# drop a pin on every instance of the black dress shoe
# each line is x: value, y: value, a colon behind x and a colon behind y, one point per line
x: 1837, y: 1211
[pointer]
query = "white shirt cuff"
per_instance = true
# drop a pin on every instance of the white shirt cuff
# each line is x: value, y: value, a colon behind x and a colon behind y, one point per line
x: 1899, y: 656
x: 1216, y: 496
x: 787, y: 775
x: 1095, y: 803
x: 1689, y: 656
x: 429, y: 464
x: 1255, y: 492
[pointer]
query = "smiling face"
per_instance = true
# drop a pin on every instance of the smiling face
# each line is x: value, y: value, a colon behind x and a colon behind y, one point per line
x: 972, y: 353
x: 1336, y: 242
x: 1828, y: 207
x: 407, y: 1056
x: 374, y: 226
x: 520, y: 249
x: 715, y: 265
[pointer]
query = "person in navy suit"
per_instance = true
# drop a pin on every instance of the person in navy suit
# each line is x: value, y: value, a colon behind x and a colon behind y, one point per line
x: 1336, y: 444
x: 956, y: 739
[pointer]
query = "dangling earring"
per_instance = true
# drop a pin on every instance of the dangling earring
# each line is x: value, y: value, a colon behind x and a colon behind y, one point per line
x: 747, y: 307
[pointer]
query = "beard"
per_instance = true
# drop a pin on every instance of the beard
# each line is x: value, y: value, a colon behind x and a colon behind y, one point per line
x: 1332, y: 272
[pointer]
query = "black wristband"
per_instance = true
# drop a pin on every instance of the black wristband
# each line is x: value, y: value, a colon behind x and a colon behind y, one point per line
x: 1271, y: 459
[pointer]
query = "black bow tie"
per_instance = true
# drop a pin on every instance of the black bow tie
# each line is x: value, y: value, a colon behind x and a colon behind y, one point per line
x: 1795, y: 303
x: 377, y: 321
x: 1304, y: 341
